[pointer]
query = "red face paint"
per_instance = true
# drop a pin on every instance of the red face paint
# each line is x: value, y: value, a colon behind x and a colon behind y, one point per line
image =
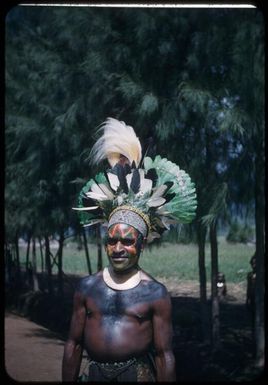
x: 122, y: 247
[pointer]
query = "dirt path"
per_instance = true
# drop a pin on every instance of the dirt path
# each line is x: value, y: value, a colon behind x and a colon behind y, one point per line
x: 32, y: 352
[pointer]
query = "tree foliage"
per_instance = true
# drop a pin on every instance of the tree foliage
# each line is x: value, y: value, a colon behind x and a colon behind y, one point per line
x: 191, y: 82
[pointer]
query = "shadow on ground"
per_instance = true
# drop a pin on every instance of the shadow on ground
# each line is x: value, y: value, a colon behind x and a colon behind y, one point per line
x: 195, y: 359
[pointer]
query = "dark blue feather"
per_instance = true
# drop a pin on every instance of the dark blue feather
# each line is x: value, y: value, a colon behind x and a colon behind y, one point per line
x: 135, y: 181
x: 127, y: 168
x: 119, y: 170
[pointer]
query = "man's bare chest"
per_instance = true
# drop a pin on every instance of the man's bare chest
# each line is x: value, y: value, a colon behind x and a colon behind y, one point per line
x: 101, y: 300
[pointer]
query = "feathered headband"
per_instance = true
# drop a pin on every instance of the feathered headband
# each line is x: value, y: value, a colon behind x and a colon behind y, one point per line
x: 149, y: 198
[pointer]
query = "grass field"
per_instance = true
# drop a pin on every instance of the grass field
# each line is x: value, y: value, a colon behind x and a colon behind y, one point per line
x: 167, y: 260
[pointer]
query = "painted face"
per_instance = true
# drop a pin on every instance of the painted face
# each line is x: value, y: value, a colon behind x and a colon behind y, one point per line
x: 123, y: 247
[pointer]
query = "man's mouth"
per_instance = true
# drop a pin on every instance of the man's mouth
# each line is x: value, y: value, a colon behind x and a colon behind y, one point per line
x: 119, y: 258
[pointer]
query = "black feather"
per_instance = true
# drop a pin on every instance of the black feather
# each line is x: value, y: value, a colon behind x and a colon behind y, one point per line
x: 133, y: 164
x: 88, y: 202
x: 127, y: 168
x: 152, y: 174
x: 135, y: 181
x: 119, y: 170
x: 169, y: 184
x: 169, y: 197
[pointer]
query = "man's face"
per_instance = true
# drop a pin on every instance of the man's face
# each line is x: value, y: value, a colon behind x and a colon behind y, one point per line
x: 124, y: 244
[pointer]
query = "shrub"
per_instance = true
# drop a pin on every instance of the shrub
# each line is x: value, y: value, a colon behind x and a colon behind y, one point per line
x: 240, y: 233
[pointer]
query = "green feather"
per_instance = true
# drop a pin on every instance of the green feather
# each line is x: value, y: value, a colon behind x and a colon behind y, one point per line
x: 183, y: 205
x: 86, y: 217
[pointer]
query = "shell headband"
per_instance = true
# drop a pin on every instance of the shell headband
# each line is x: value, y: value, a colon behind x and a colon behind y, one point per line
x: 150, y: 197
x: 130, y: 216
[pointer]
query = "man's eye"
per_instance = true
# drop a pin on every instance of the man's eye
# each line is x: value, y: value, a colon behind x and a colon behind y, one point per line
x: 112, y: 242
x: 128, y: 242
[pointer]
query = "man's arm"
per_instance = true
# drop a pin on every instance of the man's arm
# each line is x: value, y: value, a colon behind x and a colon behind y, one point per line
x: 73, y: 347
x: 163, y: 333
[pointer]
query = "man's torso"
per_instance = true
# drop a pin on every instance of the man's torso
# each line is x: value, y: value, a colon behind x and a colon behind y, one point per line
x: 118, y: 323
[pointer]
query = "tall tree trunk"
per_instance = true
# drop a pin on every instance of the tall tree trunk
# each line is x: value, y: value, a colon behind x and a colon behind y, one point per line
x: 34, y: 267
x: 98, y: 234
x: 60, y: 272
x: 260, y: 239
x: 28, y: 251
x: 48, y: 265
x: 201, y: 237
x: 215, y: 310
x: 86, y: 251
x: 41, y: 254
x: 17, y: 252
x: 8, y: 264
x: 17, y: 262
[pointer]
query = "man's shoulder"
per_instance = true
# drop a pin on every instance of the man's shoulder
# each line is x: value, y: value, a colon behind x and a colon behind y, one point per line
x: 148, y: 277
x: 88, y: 281
x: 154, y: 285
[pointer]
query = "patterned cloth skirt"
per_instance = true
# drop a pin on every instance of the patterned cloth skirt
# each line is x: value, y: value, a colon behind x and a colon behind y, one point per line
x: 140, y: 369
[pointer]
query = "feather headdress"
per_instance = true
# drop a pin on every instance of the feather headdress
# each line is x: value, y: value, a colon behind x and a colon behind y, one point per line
x: 117, y: 140
x: 149, y: 198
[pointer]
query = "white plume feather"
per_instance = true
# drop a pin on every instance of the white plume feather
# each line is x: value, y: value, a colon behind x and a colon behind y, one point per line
x: 117, y: 139
x: 113, y: 180
x: 85, y: 208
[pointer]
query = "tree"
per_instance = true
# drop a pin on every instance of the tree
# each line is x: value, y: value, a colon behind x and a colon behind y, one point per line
x: 34, y: 268
x: 236, y: 70
x: 252, y: 105
x: 46, y: 166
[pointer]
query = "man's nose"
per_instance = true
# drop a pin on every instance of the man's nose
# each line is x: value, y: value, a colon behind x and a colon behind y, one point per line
x: 118, y: 247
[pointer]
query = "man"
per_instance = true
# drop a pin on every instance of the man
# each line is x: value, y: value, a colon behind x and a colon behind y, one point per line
x: 122, y: 316
x: 221, y: 286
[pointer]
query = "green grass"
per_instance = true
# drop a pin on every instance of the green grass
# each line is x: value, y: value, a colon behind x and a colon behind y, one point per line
x: 167, y: 260
x: 182, y: 260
